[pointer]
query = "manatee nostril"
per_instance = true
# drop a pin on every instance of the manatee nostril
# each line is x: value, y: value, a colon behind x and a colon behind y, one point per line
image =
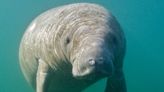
x: 91, y: 62
x: 101, y: 60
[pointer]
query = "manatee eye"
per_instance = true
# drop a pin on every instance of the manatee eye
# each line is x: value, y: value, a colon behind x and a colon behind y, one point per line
x: 67, y: 40
x: 114, y: 40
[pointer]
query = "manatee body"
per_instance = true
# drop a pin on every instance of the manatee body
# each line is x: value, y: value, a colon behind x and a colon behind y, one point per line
x: 68, y: 48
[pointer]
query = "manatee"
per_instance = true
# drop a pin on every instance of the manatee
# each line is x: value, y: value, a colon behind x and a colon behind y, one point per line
x: 69, y: 48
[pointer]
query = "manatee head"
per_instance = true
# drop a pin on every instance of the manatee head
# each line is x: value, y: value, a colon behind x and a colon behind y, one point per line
x: 93, y: 58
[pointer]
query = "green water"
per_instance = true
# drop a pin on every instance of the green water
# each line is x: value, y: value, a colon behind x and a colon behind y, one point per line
x: 143, y: 24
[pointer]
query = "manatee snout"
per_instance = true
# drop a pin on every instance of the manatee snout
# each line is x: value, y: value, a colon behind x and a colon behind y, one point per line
x: 95, y: 59
x: 101, y: 61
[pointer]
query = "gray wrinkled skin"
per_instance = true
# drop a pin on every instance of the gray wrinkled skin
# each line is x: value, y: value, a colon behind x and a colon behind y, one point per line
x: 68, y: 48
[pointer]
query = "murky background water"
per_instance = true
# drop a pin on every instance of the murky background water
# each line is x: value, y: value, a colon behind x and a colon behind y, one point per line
x: 143, y: 24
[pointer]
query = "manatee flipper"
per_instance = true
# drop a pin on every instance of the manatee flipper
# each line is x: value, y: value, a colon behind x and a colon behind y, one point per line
x: 116, y: 83
x: 43, y: 76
